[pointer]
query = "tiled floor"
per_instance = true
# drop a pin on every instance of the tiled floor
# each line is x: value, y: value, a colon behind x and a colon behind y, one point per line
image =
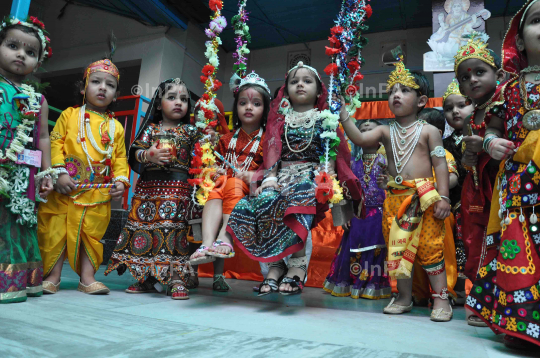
x: 237, y: 323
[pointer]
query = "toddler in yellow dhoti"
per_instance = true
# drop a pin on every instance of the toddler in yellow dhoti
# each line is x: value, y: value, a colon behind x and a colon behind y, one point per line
x: 414, y: 207
x: 87, y: 145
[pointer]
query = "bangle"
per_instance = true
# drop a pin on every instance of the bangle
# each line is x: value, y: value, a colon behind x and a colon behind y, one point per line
x: 445, y: 197
x: 488, y: 138
x: 345, y: 120
x: 438, y: 152
x: 61, y: 170
x: 269, y: 179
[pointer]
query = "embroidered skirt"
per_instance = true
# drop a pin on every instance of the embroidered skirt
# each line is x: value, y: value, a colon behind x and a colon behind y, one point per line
x: 358, y: 268
x: 154, y: 239
x: 276, y: 224
x: 21, y: 269
x: 506, y: 291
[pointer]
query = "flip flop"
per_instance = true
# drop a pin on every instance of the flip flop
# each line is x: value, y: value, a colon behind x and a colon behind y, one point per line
x: 203, y: 259
x: 222, y: 256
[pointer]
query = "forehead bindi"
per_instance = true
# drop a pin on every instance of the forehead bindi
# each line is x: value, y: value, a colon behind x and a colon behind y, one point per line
x: 23, y: 38
x: 177, y: 90
x: 250, y: 94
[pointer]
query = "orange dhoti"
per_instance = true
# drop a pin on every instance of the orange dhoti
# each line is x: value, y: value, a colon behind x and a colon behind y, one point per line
x: 230, y: 190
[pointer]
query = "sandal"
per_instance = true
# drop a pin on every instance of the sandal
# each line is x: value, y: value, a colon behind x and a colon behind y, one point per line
x: 222, y: 256
x: 273, y: 284
x: 193, y: 282
x: 295, y: 282
x: 220, y: 284
x: 177, y: 291
x: 142, y: 287
x: 476, y: 321
x: 440, y: 315
x: 203, y: 259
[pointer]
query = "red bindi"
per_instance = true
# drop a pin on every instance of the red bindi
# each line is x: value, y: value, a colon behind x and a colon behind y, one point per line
x: 151, y: 153
x: 468, y: 69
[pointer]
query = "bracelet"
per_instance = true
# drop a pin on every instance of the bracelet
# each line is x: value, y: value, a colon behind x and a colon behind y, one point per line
x: 269, y: 179
x: 61, y: 170
x: 487, y: 140
x: 445, y: 197
x: 141, y: 156
x: 346, y: 119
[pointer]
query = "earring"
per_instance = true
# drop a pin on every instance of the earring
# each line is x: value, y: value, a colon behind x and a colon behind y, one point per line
x: 498, y: 83
x: 284, y: 106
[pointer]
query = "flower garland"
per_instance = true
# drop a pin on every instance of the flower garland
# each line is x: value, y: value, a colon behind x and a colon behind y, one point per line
x: 346, y: 40
x: 34, y: 23
x: 14, y: 179
x: 241, y: 30
x: 203, y: 158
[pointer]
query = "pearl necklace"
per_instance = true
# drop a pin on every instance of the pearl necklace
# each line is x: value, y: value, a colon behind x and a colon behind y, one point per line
x: 231, y: 150
x: 85, y: 132
x: 401, y: 157
x: 305, y: 120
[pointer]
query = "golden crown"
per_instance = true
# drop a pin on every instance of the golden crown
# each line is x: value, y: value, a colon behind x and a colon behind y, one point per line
x: 476, y: 47
x: 453, y: 88
x: 402, y: 76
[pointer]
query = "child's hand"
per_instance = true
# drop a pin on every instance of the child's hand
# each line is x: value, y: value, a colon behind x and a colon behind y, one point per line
x: 212, y: 133
x: 117, y: 191
x: 46, y: 187
x: 469, y: 158
x: 473, y: 143
x: 221, y: 171
x: 268, y: 184
x: 158, y: 156
x: 245, y: 176
x: 347, y: 226
x: 343, y: 114
x: 382, y: 181
x: 441, y: 209
x: 65, y: 184
x: 500, y: 149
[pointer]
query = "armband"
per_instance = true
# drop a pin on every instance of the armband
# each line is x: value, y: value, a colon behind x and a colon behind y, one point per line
x: 269, y: 179
x: 438, y: 152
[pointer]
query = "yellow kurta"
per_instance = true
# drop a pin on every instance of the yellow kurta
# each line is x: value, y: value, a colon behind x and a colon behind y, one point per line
x: 82, y: 217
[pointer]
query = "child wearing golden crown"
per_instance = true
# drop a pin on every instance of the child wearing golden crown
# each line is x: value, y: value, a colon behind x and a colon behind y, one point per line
x: 414, y: 211
x: 477, y: 70
x: 24, y: 149
x: 87, y: 148
x: 506, y: 292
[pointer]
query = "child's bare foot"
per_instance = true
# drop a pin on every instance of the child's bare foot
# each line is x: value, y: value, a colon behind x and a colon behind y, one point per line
x: 274, y: 273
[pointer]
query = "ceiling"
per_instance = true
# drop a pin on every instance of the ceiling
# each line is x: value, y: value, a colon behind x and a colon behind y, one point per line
x: 282, y: 22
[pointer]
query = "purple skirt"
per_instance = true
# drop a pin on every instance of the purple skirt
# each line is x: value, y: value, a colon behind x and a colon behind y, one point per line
x: 358, y: 268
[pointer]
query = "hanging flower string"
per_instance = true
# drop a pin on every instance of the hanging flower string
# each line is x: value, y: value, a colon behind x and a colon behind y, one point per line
x: 345, y: 42
x: 202, y: 164
x: 241, y: 30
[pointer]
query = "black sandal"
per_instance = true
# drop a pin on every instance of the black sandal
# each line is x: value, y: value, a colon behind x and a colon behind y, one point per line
x: 193, y: 282
x: 295, y: 281
x: 220, y: 285
x: 273, y: 284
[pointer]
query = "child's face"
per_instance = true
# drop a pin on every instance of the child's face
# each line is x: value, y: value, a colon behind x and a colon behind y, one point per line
x: 456, y: 110
x: 174, y: 103
x: 476, y: 78
x: 366, y: 127
x: 404, y: 101
x: 101, y: 90
x: 19, y: 53
x: 531, y: 29
x: 250, y: 106
x: 302, y: 87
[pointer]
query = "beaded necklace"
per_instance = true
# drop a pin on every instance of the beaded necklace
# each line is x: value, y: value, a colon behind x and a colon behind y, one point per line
x: 85, y: 131
x: 304, y: 120
x: 368, y: 160
x: 231, y: 150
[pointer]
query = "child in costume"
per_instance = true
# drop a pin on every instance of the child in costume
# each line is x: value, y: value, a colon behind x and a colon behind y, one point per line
x: 276, y: 223
x: 478, y: 71
x: 506, y: 292
x: 87, y: 147
x: 243, y: 150
x: 153, y: 245
x: 414, y: 212
x: 24, y: 148
x: 358, y: 266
